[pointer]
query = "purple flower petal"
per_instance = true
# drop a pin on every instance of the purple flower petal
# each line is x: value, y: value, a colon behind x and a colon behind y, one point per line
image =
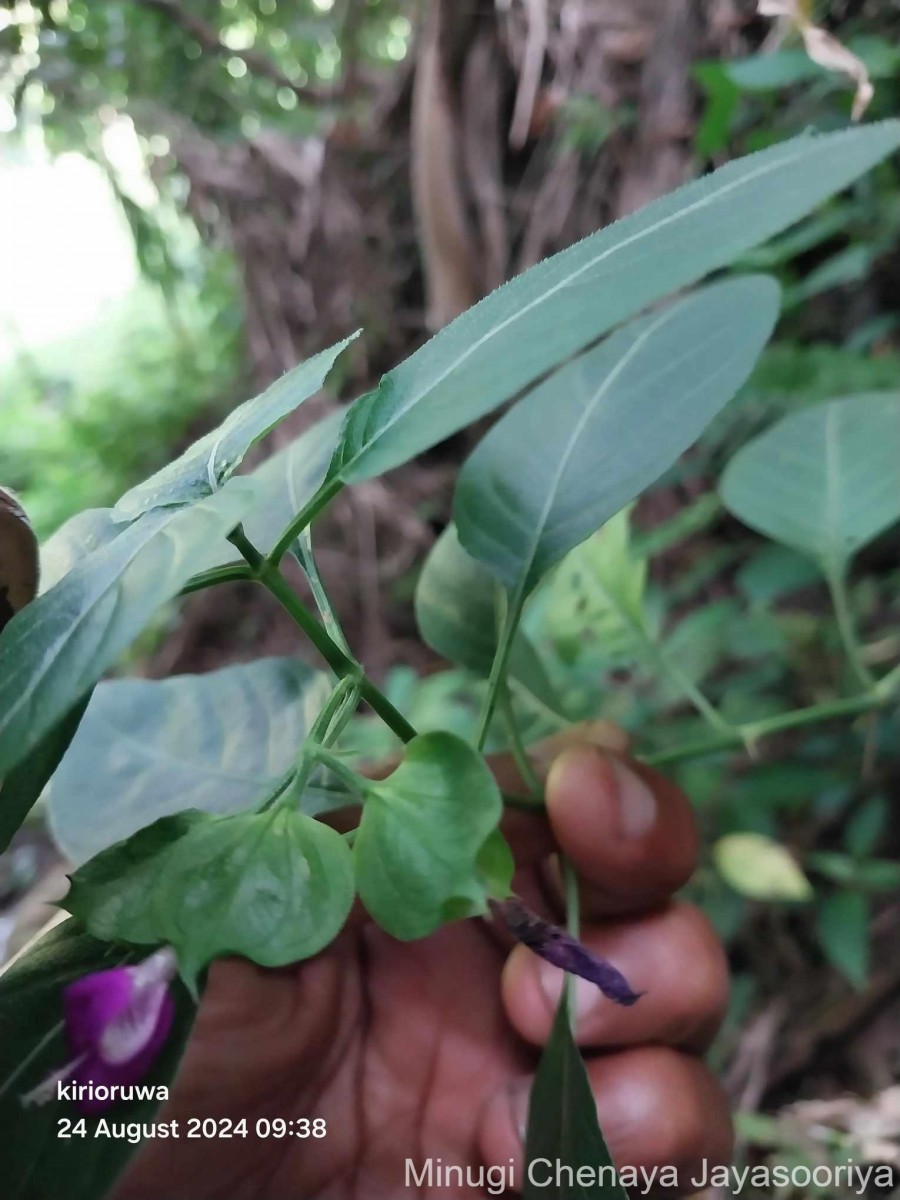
x: 117, y: 1022
x: 563, y: 951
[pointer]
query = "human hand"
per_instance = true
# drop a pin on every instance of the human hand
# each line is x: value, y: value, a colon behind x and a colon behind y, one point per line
x: 425, y: 1050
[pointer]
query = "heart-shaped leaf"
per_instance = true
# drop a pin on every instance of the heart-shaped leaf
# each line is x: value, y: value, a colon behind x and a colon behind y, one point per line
x: 594, y: 435
x: 562, y: 1127
x: 423, y: 831
x: 527, y: 327
x: 217, y: 742
x: 18, y: 558
x: 58, y: 646
x: 274, y: 886
x: 825, y: 480
x: 36, y: 1162
x: 205, y: 466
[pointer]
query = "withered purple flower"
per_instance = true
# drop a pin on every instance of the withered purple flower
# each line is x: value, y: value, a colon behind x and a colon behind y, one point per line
x: 563, y: 951
x: 116, y: 1022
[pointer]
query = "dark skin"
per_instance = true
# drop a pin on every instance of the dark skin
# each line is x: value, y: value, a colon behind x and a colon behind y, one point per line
x: 426, y: 1049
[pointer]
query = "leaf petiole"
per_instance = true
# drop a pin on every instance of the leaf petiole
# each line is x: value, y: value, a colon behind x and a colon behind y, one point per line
x: 340, y: 662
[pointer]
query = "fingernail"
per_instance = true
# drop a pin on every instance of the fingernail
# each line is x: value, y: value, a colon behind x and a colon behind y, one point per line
x: 637, y: 803
x: 587, y: 994
x: 579, y: 768
x: 518, y: 1093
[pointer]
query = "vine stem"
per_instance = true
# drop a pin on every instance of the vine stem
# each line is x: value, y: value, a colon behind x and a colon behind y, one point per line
x: 341, y: 663
x: 304, y: 517
x: 688, y: 688
x: 752, y: 733
x: 837, y: 586
x: 498, y: 670
x: 206, y: 579
x: 517, y: 747
x: 308, y: 562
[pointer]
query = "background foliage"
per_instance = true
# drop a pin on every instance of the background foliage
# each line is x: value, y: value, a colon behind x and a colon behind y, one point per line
x: 264, y: 129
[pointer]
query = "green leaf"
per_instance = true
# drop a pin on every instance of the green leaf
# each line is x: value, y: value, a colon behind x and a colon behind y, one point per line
x: 209, y: 462
x: 586, y: 442
x: 825, y: 480
x: 81, y: 535
x: 18, y: 558
x: 216, y: 742
x: 423, y: 831
x: 22, y: 787
x: 772, y: 572
x: 527, y: 327
x: 58, y: 646
x: 563, y: 1129
x: 274, y: 886
x: 598, y: 593
x: 842, y: 921
x: 287, y: 480
x: 279, y: 488
x: 456, y: 611
x: 758, y: 867
x: 35, y: 1162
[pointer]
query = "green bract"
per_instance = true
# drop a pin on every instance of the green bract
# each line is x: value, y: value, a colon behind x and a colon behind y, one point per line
x: 274, y: 886
x: 423, y: 852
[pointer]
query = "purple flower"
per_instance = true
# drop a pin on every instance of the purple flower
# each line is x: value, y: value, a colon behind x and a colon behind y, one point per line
x: 564, y: 951
x: 116, y: 1022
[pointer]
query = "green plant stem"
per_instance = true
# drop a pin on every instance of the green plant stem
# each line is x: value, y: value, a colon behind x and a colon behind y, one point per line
x: 304, y: 517
x: 320, y: 595
x: 353, y: 781
x: 498, y: 670
x: 340, y: 662
x: 752, y: 733
x: 517, y: 748
x: 837, y: 586
x: 687, y: 687
x: 207, y: 579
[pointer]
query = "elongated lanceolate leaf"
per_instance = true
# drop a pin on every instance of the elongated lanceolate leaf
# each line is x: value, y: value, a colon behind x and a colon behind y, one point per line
x: 22, y: 787
x: 206, y: 465
x: 595, y: 434
x: 146, y: 749
x: 58, y: 646
x: 563, y: 1129
x: 530, y: 325
x: 825, y: 480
